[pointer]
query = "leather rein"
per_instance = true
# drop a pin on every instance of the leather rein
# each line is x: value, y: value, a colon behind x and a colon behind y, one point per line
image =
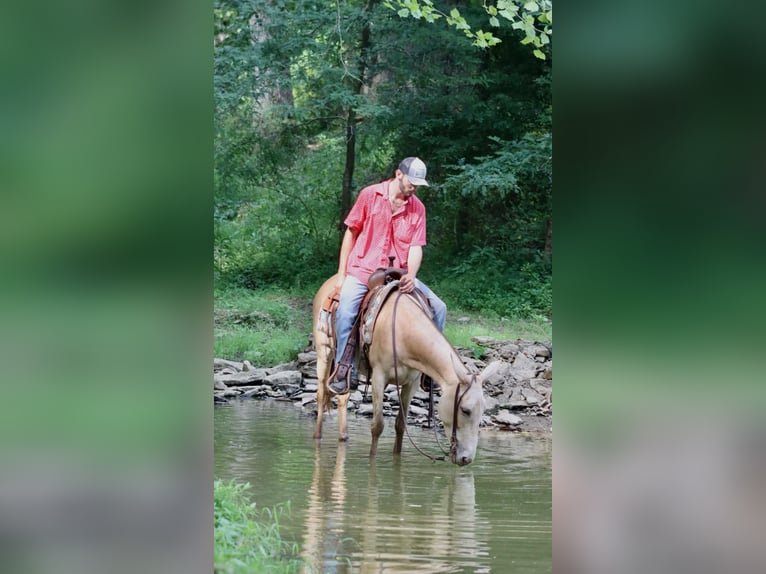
x: 458, y: 396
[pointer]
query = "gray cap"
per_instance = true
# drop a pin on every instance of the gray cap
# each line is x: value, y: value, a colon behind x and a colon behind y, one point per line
x: 415, y: 170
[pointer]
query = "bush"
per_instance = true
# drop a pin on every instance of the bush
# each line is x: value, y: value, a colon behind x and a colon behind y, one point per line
x: 246, y: 539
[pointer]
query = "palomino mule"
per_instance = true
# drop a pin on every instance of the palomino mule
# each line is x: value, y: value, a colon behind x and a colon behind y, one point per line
x: 419, y: 347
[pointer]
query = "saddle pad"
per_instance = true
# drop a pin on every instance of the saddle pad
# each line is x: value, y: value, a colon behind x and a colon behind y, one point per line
x: 375, y: 302
x: 377, y: 297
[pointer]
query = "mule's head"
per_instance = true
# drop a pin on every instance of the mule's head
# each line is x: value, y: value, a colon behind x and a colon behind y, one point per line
x: 461, y: 424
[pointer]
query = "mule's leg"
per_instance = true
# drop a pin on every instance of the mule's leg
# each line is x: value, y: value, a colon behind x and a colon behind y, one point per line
x: 407, y: 392
x: 378, y: 385
x: 342, y: 422
x: 324, y: 362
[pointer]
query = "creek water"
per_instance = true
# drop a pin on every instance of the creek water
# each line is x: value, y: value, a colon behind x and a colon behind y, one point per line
x: 402, y: 514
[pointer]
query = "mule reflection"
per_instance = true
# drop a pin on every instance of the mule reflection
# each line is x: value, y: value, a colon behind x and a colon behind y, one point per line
x: 408, y: 528
x: 326, y: 508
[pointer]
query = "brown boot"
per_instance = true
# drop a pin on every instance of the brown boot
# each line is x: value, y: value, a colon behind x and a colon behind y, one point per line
x: 340, y: 380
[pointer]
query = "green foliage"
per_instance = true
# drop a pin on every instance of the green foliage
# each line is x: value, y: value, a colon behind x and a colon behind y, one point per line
x: 285, y: 231
x: 288, y: 76
x: 459, y: 332
x: 534, y: 18
x: 493, y: 219
x: 264, y: 326
x: 246, y: 539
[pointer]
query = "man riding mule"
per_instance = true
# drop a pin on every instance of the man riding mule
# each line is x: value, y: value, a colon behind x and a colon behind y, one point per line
x: 386, y: 225
x: 387, y: 220
x: 405, y: 343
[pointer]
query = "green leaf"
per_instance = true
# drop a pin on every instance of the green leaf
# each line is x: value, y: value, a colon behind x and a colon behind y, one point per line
x: 531, y: 7
x: 508, y: 15
x: 494, y: 22
x: 454, y: 13
x: 539, y: 54
x: 404, y: 12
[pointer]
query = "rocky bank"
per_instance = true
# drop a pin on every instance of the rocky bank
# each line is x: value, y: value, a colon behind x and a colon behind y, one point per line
x: 517, y: 398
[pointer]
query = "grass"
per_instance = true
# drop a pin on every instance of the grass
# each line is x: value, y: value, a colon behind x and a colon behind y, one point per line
x: 459, y: 332
x: 268, y: 327
x: 247, y: 539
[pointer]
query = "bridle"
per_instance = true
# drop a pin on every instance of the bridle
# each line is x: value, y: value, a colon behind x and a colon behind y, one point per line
x: 458, y: 397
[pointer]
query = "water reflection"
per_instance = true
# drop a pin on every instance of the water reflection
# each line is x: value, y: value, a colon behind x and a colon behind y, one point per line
x: 325, y: 512
x: 394, y: 513
x: 393, y: 527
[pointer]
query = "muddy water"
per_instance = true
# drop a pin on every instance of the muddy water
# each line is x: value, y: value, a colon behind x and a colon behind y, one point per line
x: 393, y: 514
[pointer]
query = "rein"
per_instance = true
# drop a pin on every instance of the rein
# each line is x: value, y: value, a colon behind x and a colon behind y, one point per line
x: 458, y: 396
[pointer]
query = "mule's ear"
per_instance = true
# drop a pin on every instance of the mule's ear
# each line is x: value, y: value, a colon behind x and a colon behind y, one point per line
x: 457, y: 364
x: 490, y: 371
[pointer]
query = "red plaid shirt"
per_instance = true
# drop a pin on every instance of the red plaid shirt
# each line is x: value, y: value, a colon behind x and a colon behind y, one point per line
x: 381, y: 232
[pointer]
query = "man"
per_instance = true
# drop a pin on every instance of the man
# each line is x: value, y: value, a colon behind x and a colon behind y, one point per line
x: 387, y: 219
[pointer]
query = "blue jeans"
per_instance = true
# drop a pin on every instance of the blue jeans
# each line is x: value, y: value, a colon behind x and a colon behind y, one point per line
x: 351, y: 295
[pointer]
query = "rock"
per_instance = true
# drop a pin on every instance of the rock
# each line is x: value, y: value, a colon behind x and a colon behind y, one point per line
x: 291, y: 366
x: 503, y: 374
x: 365, y: 409
x: 227, y: 394
x: 247, y: 366
x: 223, y: 363
x: 244, y: 378
x: 310, y: 386
x: 307, y: 398
x: 463, y: 320
x: 490, y: 404
x: 416, y: 411
x: 482, y: 340
x: 284, y: 378
x: 307, y: 357
x: 506, y: 418
x: 218, y: 384
x: 356, y: 396
x: 538, y: 350
x: 473, y: 365
x: 309, y: 371
x: 531, y: 396
x: 524, y: 368
x: 547, y: 374
x: 259, y: 391
x: 508, y: 351
x: 542, y: 386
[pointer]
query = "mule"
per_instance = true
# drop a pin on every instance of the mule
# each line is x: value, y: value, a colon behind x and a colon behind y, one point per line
x: 419, y: 347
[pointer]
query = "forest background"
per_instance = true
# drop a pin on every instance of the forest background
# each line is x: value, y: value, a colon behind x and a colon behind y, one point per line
x: 315, y: 100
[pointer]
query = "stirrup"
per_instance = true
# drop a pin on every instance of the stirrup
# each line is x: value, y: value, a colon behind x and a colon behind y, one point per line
x: 340, y: 386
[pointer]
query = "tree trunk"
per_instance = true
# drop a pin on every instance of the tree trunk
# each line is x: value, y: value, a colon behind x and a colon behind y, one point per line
x: 351, y: 120
x: 348, y: 171
x: 549, y: 238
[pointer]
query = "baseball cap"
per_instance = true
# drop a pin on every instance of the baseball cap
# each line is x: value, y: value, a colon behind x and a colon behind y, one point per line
x: 415, y: 170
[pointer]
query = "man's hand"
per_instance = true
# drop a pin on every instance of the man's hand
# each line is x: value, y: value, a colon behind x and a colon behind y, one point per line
x: 407, y: 284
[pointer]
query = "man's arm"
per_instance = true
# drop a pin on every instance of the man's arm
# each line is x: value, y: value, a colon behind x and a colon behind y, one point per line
x: 349, y: 238
x: 414, y: 259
